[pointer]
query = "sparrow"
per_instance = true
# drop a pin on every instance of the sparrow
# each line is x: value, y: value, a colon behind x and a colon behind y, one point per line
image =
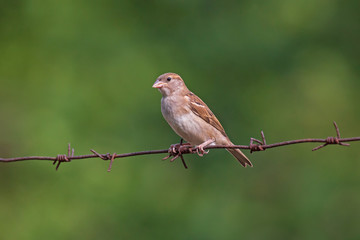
x: 191, y: 118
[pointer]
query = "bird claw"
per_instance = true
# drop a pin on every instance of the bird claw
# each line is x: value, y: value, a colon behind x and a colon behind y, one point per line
x: 175, y: 157
x: 167, y: 157
x: 200, y: 148
x: 200, y: 151
x: 176, y: 150
x: 179, y: 148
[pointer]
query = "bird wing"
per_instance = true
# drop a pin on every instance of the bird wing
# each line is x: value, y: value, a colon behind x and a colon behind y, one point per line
x: 199, y: 108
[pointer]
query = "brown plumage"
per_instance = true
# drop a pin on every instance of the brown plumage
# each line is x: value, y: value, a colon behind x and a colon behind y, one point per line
x: 190, y: 117
x: 202, y: 110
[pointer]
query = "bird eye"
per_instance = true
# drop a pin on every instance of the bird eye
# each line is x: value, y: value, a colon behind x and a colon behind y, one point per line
x: 169, y: 78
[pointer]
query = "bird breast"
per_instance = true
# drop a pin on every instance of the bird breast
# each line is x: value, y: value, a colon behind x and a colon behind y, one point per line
x: 185, y: 123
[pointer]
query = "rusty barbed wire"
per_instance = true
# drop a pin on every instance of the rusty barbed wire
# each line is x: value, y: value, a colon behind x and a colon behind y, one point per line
x: 178, y: 150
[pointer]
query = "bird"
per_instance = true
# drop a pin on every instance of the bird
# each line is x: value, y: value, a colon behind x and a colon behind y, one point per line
x: 191, y: 118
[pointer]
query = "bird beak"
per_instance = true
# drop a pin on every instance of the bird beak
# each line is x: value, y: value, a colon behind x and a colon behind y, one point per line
x: 158, y: 84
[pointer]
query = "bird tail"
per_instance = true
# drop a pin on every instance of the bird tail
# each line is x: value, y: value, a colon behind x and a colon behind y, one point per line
x: 240, y: 156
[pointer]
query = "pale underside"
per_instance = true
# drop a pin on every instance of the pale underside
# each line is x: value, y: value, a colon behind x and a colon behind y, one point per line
x: 193, y: 121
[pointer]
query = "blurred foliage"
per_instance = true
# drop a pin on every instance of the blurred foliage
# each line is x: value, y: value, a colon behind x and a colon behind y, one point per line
x: 81, y: 72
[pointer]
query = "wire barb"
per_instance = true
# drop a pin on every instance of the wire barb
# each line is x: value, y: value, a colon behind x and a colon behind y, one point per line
x: 183, y: 161
x: 111, y: 162
x: 257, y: 147
x: 332, y: 140
x: 63, y: 158
x: 103, y: 157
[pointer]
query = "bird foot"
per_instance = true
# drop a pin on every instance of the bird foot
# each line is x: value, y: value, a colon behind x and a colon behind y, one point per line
x: 200, y: 148
x: 178, y: 148
x: 200, y: 151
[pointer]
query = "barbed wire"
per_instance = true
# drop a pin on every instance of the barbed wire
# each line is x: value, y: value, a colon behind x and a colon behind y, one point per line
x: 178, y: 150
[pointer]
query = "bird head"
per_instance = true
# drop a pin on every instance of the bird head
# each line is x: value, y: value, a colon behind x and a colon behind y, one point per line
x: 170, y: 83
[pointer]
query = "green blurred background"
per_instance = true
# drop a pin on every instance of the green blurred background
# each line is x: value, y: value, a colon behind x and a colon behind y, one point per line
x: 82, y: 71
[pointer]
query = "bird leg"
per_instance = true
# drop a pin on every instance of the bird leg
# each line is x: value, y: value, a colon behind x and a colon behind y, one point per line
x: 200, y: 148
x: 177, y: 148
